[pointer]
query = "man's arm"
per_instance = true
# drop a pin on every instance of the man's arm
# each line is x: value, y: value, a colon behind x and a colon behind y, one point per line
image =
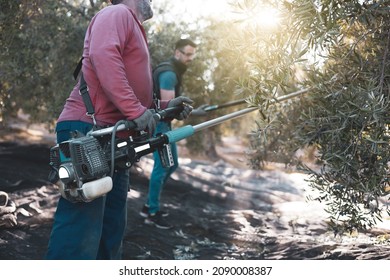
x: 168, y: 81
x: 167, y: 95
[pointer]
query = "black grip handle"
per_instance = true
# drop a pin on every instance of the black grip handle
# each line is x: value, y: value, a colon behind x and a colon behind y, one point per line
x: 168, y: 113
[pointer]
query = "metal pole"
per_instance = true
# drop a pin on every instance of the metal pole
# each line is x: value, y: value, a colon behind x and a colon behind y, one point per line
x: 237, y: 114
x: 228, y: 104
x: 242, y: 101
x: 222, y: 119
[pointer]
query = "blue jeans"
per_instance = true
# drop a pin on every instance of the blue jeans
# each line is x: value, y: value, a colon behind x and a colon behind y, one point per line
x: 160, y: 174
x: 92, y: 230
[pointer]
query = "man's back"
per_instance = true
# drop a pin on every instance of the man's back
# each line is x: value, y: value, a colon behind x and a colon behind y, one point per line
x: 116, y: 56
x: 167, y: 76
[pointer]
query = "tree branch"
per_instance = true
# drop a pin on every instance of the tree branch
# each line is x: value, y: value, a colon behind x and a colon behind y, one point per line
x: 382, y: 79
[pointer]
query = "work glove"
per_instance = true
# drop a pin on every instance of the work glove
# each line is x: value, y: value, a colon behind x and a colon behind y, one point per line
x: 200, y: 110
x: 146, y: 122
x: 185, y: 103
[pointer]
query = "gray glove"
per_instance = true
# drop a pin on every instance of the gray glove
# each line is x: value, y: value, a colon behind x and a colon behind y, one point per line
x: 182, y: 101
x: 146, y: 122
x: 200, y: 110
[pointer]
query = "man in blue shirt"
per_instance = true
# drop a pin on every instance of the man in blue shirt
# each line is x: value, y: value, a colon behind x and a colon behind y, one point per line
x: 167, y: 79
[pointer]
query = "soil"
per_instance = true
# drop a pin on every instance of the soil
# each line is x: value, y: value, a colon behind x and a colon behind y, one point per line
x: 220, y: 209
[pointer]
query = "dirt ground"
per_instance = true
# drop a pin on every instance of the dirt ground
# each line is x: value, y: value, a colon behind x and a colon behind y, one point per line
x: 220, y: 210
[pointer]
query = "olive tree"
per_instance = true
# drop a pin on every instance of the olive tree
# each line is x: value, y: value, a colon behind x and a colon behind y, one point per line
x: 41, y: 43
x: 339, y: 50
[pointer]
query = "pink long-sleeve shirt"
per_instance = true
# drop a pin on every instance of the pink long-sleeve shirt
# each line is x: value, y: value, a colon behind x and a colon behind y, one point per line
x: 116, y: 68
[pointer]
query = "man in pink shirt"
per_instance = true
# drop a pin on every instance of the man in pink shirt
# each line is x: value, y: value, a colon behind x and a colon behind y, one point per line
x: 117, y: 69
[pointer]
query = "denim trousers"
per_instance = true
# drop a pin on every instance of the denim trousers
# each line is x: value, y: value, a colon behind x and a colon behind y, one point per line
x: 89, y: 230
x: 160, y: 174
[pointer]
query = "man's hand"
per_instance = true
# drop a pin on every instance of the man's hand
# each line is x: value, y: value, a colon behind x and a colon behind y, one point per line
x: 146, y: 122
x: 185, y: 103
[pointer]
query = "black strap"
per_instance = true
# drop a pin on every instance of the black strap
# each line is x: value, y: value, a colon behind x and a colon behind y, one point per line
x: 162, y: 67
x: 83, y: 90
x: 85, y: 95
x: 78, y: 69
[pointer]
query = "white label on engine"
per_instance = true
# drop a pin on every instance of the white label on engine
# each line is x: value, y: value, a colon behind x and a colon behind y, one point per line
x: 142, y: 148
x: 122, y: 144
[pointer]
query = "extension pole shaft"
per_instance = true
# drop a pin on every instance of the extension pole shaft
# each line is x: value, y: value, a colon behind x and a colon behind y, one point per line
x: 240, y: 113
x: 242, y: 101
x: 228, y: 104
x: 222, y: 119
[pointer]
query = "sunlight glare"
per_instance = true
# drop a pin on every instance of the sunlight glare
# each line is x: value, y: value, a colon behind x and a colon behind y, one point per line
x: 264, y: 17
x: 257, y: 14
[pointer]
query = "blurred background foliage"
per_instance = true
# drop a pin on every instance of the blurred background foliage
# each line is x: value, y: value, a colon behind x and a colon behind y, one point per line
x: 338, y: 50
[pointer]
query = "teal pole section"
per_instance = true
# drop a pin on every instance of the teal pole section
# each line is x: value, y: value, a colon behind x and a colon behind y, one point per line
x: 180, y: 133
